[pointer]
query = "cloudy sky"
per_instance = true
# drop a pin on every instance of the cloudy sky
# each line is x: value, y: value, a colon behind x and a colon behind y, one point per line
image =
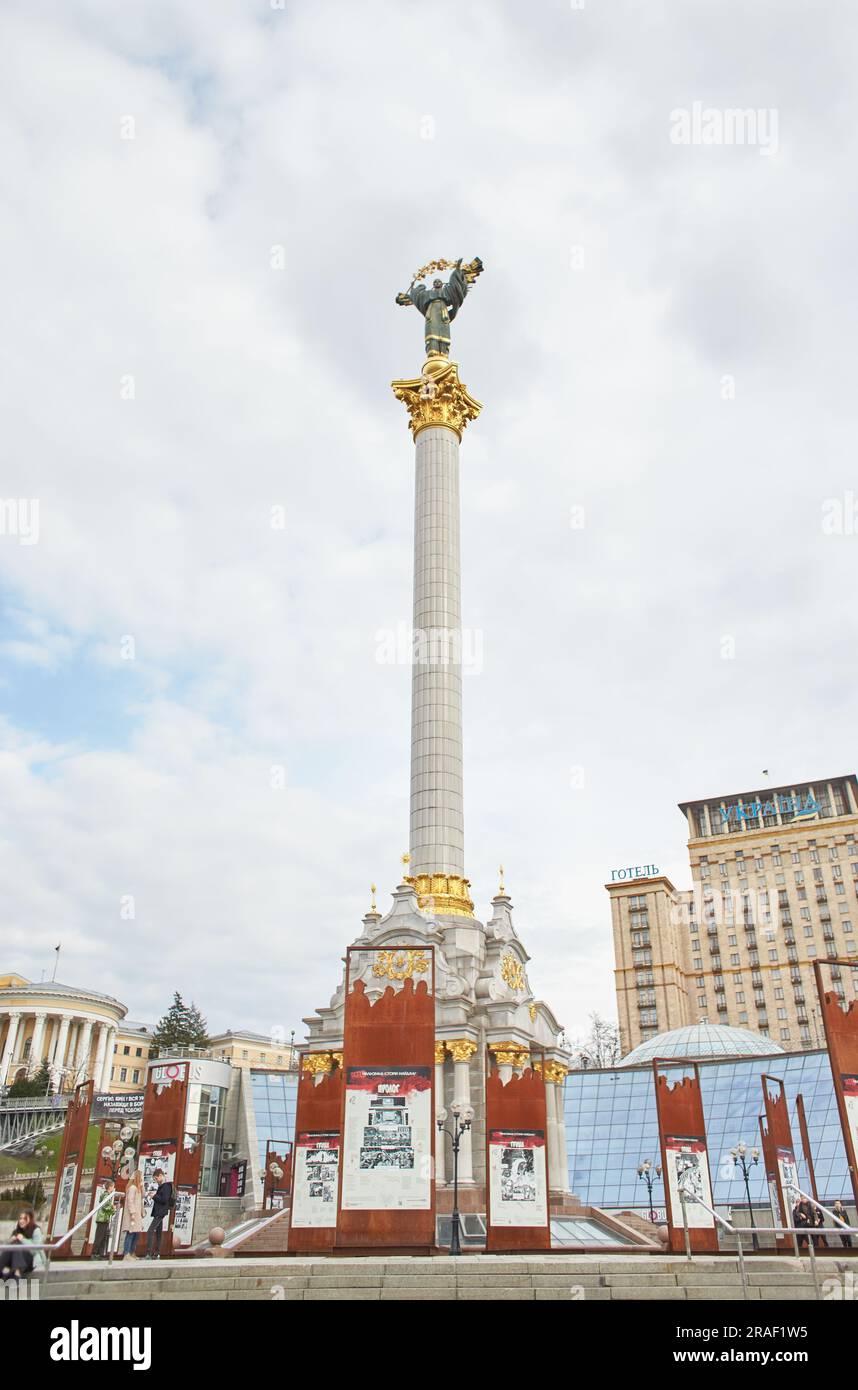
x: 208, y: 210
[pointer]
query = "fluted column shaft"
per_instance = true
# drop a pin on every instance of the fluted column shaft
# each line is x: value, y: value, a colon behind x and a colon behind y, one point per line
x: 9, y: 1047
x: 437, y: 821
x: 440, y: 1137
x: 36, y: 1054
x: 108, y: 1059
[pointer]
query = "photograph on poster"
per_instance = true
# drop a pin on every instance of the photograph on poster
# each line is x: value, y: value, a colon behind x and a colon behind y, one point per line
x: 687, y: 1166
x: 517, y: 1173
x: 316, y: 1172
x: 387, y: 1144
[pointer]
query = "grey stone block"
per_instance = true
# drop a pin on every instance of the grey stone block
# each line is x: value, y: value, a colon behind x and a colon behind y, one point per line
x: 643, y: 1294
x: 342, y: 1295
x: 592, y: 1295
x: 489, y: 1294
x: 447, y: 1295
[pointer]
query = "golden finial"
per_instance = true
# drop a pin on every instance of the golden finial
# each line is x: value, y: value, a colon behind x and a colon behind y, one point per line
x: 405, y: 859
x: 373, y: 890
x: 501, y: 889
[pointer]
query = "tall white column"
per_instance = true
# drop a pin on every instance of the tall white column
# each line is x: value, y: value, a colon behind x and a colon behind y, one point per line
x: 108, y: 1059
x: 100, y: 1050
x: 84, y: 1043
x: 36, y: 1046
x: 9, y: 1046
x: 462, y: 1050
x: 440, y: 1137
x: 60, y: 1052
x: 558, y: 1163
x: 437, y: 821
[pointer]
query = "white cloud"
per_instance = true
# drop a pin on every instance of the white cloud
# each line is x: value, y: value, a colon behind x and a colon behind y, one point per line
x: 600, y: 375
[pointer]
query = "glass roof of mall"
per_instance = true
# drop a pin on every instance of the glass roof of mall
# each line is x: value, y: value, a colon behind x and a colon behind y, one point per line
x: 611, y: 1128
x: 701, y: 1040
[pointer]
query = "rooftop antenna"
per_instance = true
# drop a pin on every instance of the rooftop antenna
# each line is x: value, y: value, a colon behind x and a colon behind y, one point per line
x: 56, y: 961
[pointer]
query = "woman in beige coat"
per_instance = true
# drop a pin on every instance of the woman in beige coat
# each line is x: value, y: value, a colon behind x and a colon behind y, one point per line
x: 132, y: 1217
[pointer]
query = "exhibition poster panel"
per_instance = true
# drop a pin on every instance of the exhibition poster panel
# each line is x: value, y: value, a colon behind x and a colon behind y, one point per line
x: 63, y: 1217
x: 687, y: 1163
x: 850, y: 1096
x: 183, y: 1215
x: 387, y: 1139
x: 316, y: 1173
x: 788, y: 1173
x: 154, y: 1154
x: 517, y: 1173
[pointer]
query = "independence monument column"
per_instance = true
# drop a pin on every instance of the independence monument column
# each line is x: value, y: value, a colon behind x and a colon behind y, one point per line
x: 439, y: 409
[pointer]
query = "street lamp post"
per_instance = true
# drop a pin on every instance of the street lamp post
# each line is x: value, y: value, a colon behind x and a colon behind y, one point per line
x: 119, y: 1154
x: 462, y: 1118
x: 645, y: 1174
x: 740, y: 1160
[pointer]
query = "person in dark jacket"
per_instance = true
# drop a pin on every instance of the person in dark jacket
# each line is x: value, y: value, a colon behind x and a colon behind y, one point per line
x: 819, y: 1222
x: 840, y: 1210
x: 162, y: 1201
x: 801, y: 1217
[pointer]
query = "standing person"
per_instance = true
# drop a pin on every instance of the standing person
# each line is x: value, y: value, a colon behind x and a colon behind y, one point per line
x: 801, y: 1219
x: 103, y: 1218
x: 841, y: 1212
x: 132, y: 1217
x: 819, y: 1222
x: 26, y: 1237
x: 161, y: 1204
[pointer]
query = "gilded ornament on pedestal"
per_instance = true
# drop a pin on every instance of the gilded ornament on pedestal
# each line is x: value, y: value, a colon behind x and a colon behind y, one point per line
x: 512, y: 972
x: 400, y: 965
x: 317, y: 1063
x: 444, y: 894
x: 555, y: 1072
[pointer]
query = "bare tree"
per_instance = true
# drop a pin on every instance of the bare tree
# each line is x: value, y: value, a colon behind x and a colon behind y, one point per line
x: 601, y: 1047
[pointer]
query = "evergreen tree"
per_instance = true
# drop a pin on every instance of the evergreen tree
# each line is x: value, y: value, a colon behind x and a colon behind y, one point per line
x: 37, y: 1085
x: 182, y: 1026
x: 44, y: 1080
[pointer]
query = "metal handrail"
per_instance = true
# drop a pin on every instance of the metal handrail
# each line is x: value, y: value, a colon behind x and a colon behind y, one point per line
x: 850, y: 1230
x: 108, y: 1197
x: 46, y: 1102
x: 739, y: 1231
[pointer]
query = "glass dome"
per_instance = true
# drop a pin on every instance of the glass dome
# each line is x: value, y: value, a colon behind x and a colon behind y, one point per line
x: 700, y: 1040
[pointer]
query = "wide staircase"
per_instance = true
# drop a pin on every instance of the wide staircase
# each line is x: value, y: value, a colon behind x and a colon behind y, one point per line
x: 471, y: 1277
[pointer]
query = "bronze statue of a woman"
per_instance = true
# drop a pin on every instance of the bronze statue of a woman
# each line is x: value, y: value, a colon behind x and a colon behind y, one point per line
x: 440, y: 304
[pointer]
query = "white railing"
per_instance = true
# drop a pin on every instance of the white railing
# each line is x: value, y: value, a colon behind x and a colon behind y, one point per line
x: 807, y: 1232
x: 43, y: 1251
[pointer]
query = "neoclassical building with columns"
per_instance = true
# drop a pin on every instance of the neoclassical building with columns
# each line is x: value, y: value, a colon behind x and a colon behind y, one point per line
x: 80, y: 1033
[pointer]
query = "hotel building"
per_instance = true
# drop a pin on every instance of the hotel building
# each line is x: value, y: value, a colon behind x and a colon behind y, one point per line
x: 775, y: 888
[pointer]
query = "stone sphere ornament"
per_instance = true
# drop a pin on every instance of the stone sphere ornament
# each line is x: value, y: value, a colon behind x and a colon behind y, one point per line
x: 217, y: 1235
